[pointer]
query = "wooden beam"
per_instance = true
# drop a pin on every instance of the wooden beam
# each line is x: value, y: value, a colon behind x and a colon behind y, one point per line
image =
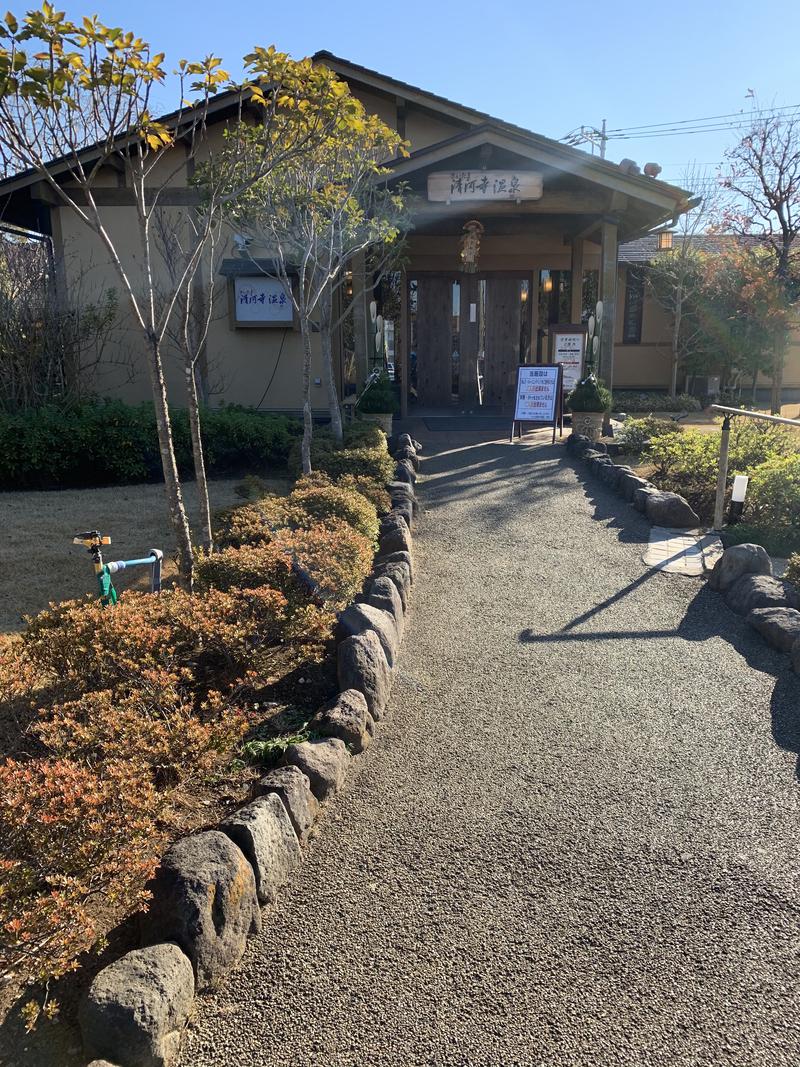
x: 111, y: 196
x: 608, y: 294
x: 549, y: 204
x: 576, y: 267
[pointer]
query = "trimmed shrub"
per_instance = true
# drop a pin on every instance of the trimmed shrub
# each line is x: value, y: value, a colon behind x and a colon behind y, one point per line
x: 793, y: 569
x: 363, y: 454
x: 373, y: 490
x: 68, y: 831
x: 250, y: 524
x: 107, y: 442
x: 315, y: 500
x: 633, y: 401
x: 336, y: 556
x: 773, y: 493
x: 637, y: 433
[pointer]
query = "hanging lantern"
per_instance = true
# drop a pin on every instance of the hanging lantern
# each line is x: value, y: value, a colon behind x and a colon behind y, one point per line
x: 471, y: 246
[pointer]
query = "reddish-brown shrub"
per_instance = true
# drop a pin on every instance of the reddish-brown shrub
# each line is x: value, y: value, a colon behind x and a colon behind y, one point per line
x: 250, y: 524
x: 336, y: 556
x: 68, y: 832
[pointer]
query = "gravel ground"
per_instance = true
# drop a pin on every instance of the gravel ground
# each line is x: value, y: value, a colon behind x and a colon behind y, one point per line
x: 574, y: 843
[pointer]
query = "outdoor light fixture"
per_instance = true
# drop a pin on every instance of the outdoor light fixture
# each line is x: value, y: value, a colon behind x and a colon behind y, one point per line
x: 548, y: 285
x: 665, y: 241
x: 737, y: 498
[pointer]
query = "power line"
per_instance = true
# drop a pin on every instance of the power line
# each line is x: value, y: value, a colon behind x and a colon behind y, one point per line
x: 708, y: 118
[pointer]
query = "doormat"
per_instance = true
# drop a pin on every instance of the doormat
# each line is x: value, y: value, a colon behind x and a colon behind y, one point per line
x: 476, y: 423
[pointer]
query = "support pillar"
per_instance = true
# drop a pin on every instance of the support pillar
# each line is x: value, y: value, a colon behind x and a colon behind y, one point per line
x: 608, y: 294
x: 576, y: 269
x: 404, y: 347
x: 362, y: 327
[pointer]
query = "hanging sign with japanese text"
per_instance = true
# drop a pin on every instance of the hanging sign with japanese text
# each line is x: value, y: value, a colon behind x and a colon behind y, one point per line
x: 568, y: 349
x: 259, y: 300
x: 483, y: 185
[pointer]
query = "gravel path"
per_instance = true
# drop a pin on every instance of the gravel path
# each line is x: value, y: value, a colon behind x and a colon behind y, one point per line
x: 574, y: 843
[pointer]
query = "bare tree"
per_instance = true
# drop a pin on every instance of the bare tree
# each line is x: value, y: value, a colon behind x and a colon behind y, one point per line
x: 762, y: 174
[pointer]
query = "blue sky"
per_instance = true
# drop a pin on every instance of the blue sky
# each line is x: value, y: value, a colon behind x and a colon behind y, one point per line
x: 547, y: 66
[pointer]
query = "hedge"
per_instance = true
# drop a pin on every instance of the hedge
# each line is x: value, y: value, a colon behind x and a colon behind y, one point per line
x: 108, y: 442
x: 649, y: 402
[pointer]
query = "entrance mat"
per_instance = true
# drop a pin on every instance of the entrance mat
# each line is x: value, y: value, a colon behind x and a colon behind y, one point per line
x: 476, y: 423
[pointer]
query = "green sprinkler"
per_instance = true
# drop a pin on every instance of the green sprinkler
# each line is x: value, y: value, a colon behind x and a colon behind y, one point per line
x: 93, y: 540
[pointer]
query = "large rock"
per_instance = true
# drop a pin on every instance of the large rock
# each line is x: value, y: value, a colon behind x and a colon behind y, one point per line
x: 362, y: 665
x: 780, y: 626
x: 409, y: 455
x: 403, y: 489
x: 399, y: 557
x: 629, y: 483
x: 737, y: 561
x: 204, y: 897
x: 404, y: 472
x: 382, y: 593
x: 404, y: 509
x: 578, y: 443
x: 324, y: 763
x: 346, y: 717
x: 760, y: 591
x: 264, y: 832
x: 404, y: 440
x: 671, y: 510
x: 358, y: 618
x: 395, y: 536
x: 400, y: 575
x: 294, y: 790
x: 137, y: 1007
x: 642, y: 495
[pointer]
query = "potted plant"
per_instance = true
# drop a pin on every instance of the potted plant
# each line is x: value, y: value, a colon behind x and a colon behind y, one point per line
x: 589, y: 402
x: 378, y: 402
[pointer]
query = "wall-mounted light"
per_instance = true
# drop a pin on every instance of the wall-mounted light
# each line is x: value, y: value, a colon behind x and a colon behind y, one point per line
x: 665, y: 241
x: 547, y: 285
x: 738, y: 494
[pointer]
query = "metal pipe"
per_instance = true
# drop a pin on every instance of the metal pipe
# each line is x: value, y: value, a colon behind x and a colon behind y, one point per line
x: 722, y: 473
x: 756, y: 415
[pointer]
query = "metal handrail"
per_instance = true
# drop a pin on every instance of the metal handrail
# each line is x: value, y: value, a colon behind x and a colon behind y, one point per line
x: 724, y: 445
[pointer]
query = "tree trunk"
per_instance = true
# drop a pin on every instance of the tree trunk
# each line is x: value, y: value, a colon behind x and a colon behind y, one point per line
x: 326, y: 342
x: 172, y: 485
x: 197, y: 454
x: 676, y: 335
x: 308, y: 422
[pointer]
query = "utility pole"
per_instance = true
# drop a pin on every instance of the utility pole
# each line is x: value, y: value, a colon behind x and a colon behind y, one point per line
x: 603, y: 140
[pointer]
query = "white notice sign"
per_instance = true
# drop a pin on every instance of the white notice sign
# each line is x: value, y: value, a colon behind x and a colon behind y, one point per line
x: 259, y: 299
x: 452, y: 186
x: 537, y: 393
x: 568, y: 349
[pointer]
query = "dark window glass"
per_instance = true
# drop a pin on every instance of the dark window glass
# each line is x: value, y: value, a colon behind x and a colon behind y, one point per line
x: 634, y: 305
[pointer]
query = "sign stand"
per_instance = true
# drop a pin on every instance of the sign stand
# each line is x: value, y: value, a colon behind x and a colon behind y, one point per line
x: 540, y: 398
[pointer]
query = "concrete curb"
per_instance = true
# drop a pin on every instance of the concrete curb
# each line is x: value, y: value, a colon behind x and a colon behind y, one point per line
x: 255, y: 839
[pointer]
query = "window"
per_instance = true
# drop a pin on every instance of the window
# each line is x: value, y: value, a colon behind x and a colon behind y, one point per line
x: 634, y: 305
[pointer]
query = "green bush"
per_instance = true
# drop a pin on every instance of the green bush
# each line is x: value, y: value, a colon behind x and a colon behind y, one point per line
x: 793, y: 569
x: 777, y: 542
x: 589, y: 395
x: 648, y: 402
x: 773, y: 494
x: 637, y: 433
x: 363, y: 454
x: 250, y: 524
x: 107, y: 442
x: 379, y: 397
x: 317, y: 499
x: 687, y: 463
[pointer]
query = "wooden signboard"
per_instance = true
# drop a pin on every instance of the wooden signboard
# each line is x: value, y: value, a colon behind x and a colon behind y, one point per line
x: 568, y: 348
x: 259, y: 300
x: 539, y: 400
x: 453, y: 186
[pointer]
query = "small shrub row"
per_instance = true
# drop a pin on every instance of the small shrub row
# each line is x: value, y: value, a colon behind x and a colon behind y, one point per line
x: 650, y: 402
x: 636, y: 434
x: 362, y: 454
x: 111, y: 443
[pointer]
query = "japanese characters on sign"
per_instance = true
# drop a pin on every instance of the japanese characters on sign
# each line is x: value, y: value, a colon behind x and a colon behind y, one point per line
x: 568, y: 350
x: 260, y: 299
x: 460, y: 185
x: 537, y: 393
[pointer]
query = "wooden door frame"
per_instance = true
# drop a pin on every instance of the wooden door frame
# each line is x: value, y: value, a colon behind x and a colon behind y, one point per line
x: 409, y: 274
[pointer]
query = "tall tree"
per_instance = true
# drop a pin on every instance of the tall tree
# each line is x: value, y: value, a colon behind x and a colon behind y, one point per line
x: 675, y: 276
x: 319, y: 210
x: 762, y: 174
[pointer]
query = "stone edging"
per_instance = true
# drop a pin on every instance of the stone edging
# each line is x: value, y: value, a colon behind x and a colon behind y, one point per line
x: 210, y: 886
x: 743, y: 573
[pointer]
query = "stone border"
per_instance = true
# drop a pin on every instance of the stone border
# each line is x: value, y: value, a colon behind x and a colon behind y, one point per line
x: 210, y: 886
x: 743, y: 573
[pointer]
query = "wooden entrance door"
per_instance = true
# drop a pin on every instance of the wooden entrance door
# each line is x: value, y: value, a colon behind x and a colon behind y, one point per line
x: 434, y: 340
x: 503, y: 331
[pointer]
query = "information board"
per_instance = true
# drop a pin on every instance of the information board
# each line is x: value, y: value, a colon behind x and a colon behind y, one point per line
x: 568, y: 349
x: 261, y: 301
x: 539, y: 396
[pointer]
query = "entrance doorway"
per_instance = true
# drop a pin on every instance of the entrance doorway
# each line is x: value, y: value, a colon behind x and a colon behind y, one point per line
x: 469, y: 333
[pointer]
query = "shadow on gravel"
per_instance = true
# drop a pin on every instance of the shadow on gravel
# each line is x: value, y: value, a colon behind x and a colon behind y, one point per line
x: 707, y: 616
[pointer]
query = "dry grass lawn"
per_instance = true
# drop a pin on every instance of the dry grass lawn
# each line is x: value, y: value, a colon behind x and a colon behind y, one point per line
x: 39, y: 563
